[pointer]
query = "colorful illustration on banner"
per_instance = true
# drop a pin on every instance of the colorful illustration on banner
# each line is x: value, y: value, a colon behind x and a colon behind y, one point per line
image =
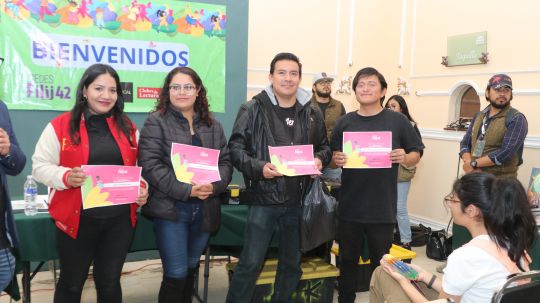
x: 49, y: 46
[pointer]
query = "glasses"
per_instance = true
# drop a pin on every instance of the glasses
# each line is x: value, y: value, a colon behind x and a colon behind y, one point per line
x: 449, y: 200
x: 188, y: 89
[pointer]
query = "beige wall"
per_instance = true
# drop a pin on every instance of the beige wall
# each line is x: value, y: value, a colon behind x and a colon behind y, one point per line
x: 411, y: 48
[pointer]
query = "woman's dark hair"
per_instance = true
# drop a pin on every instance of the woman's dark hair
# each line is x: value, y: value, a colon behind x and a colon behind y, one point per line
x: 201, y: 102
x: 81, y: 103
x: 402, y: 105
x: 505, y: 210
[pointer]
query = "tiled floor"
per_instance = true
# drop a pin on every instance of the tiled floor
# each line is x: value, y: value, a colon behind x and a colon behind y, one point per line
x: 141, y: 280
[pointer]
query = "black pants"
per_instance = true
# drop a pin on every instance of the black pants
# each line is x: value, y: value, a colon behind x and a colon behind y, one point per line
x: 351, y: 244
x: 102, y: 241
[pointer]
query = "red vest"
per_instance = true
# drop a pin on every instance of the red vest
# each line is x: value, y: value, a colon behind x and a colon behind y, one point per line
x: 65, y: 205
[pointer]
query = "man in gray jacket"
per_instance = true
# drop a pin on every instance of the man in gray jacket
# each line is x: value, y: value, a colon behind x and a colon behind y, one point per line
x: 279, y: 115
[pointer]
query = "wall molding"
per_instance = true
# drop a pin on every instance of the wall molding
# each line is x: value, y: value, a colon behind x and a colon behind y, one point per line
x: 488, y: 74
x: 402, y: 32
x: 436, y: 93
x: 456, y: 136
x: 351, y: 33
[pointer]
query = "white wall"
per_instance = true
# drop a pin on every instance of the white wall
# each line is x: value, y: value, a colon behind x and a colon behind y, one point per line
x: 406, y: 38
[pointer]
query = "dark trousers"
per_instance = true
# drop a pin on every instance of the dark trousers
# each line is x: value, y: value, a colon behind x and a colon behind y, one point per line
x: 351, y: 243
x: 260, y: 225
x: 105, y: 242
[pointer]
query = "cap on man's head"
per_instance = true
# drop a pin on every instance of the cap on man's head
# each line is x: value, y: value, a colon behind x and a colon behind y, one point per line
x: 321, y: 77
x: 499, y: 81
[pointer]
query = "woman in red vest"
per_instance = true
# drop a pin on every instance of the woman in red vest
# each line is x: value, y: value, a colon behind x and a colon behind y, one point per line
x: 95, y: 132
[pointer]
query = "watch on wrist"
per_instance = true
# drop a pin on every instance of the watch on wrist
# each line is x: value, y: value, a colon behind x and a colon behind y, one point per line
x: 474, y: 164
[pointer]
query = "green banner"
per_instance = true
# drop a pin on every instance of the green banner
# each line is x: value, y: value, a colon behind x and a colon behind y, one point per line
x: 47, y: 45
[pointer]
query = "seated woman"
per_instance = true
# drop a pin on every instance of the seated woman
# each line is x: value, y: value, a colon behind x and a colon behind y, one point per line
x: 496, y: 213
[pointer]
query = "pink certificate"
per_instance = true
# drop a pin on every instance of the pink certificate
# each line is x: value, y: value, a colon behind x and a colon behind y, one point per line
x: 367, y: 149
x: 108, y: 185
x: 294, y: 160
x: 195, y: 165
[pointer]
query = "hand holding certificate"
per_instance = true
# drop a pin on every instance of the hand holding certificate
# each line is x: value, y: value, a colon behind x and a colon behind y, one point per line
x: 294, y: 160
x: 195, y: 165
x: 107, y: 185
x: 367, y: 149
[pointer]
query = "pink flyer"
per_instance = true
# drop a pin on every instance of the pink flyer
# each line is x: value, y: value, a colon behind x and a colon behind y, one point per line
x: 294, y: 160
x: 195, y: 165
x: 108, y: 185
x: 367, y: 149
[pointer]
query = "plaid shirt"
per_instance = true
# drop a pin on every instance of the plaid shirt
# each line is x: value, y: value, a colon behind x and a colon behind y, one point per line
x: 516, y: 131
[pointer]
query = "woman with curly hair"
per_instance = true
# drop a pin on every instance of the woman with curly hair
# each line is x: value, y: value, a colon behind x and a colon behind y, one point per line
x: 184, y: 214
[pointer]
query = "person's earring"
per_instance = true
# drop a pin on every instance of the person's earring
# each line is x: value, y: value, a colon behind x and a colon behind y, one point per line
x: 85, y: 100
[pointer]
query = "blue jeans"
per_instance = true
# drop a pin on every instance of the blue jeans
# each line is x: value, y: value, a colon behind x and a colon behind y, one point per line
x: 7, y: 267
x: 402, y: 214
x: 181, y: 242
x: 258, y: 233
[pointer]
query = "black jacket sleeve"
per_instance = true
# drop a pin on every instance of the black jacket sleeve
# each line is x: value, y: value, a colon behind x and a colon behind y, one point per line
x: 13, y: 164
x: 240, y: 145
x: 154, y: 157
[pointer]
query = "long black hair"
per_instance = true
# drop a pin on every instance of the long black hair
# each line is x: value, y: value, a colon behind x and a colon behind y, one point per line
x: 505, y: 210
x: 402, y: 105
x: 123, y: 123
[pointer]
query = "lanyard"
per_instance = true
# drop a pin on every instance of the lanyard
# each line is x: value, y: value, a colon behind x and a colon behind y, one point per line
x: 485, y: 124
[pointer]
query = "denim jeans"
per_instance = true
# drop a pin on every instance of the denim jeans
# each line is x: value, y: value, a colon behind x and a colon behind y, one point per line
x: 402, y: 214
x: 7, y: 267
x: 258, y: 233
x: 181, y: 242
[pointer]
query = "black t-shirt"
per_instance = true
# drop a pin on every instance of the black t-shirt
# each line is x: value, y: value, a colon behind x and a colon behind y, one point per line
x: 103, y: 151
x: 286, y: 131
x: 284, y: 128
x: 323, y: 107
x: 370, y: 195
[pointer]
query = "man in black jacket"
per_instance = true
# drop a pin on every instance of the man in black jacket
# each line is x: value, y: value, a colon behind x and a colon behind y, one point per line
x: 280, y: 115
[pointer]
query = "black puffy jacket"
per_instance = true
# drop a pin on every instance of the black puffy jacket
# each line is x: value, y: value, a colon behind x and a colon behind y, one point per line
x: 249, y: 143
x: 157, y: 135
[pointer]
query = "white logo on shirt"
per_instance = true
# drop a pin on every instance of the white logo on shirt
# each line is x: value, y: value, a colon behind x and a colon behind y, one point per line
x: 289, y: 122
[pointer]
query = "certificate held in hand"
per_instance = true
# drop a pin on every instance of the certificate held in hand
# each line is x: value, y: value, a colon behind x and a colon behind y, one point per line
x: 108, y: 185
x: 367, y: 149
x: 293, y: 160
x: 194, y: 164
